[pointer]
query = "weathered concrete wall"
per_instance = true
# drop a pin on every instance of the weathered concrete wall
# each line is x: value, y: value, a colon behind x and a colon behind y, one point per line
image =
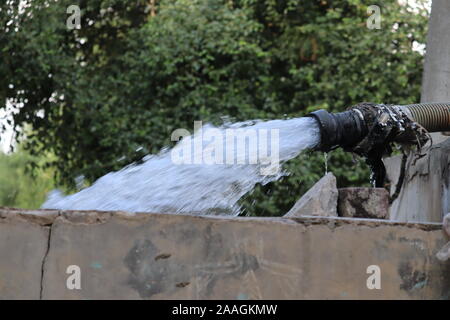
x: 426, y: 192
x: 422, y: 197
x: 157, y: 256
x: 23, y: 244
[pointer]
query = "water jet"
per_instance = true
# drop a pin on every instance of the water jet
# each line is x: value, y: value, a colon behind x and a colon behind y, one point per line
x: 160, y: 184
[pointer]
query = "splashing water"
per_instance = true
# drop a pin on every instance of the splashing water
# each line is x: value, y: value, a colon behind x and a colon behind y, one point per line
x: 200, y: 175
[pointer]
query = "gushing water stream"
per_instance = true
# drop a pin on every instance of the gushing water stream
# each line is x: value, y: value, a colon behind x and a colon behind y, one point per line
x: 205, y: 173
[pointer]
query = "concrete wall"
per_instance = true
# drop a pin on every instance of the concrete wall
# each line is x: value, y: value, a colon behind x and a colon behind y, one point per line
x: 426, y: 191
x: 423, y: 197
x: 157, y: 256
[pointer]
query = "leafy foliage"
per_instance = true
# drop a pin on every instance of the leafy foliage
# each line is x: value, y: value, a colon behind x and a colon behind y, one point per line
x: 18, y: 186
x: 128, y: 78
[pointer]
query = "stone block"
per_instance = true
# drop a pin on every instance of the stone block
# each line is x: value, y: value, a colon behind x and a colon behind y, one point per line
x: 320, y: 200
x: 363, y: 203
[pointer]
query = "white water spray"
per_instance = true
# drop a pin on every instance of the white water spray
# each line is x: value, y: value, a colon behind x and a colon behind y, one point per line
x: 160, y: 185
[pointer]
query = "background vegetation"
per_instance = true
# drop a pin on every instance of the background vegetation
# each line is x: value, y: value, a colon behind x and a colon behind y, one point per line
x: 19, y: 187
x: 137, y: 70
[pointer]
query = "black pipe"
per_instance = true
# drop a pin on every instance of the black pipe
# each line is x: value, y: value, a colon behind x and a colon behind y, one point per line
x: 340, y: 129
x: 369, y: 130
x: 348, y: 128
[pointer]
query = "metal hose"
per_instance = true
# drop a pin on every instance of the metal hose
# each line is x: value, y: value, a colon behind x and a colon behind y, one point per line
x: 434, y: 117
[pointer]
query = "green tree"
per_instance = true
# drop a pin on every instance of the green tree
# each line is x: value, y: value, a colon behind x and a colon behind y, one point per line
x: 19, y: 187
x: 128, y: 77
